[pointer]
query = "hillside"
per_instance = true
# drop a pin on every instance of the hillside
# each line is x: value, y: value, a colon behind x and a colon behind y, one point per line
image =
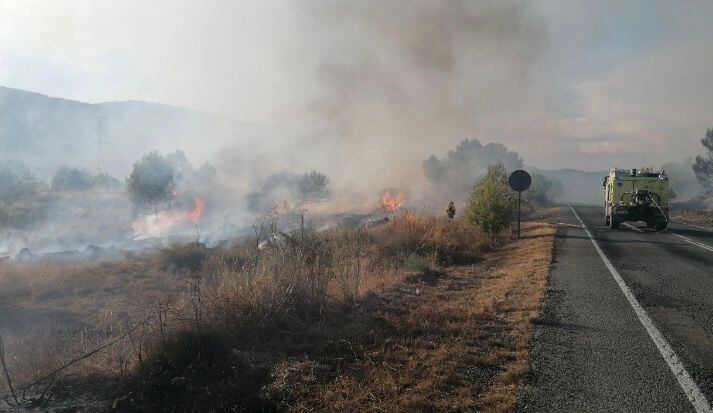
x: 46, y: 132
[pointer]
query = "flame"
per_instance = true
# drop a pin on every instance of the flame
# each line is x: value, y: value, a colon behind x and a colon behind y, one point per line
x: 307, y: 205
x: 197, y: 212
x: 389, y: 202
x: 280, y: 207
x: 160, y: 223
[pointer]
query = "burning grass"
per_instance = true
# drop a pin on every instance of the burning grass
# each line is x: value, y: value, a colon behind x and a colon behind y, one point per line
x: 346, y: 319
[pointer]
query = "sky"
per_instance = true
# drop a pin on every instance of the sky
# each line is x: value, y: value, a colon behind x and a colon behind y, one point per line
x: 586, y: 84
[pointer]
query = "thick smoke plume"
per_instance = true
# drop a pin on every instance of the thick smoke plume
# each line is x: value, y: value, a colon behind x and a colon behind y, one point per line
x: 375, y: 87
x: 393, y: 81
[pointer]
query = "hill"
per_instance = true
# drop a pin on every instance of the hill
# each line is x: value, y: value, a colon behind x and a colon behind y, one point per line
x: 46, y: 132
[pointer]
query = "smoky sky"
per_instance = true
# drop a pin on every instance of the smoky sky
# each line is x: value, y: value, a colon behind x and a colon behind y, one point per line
x: 366, y: 90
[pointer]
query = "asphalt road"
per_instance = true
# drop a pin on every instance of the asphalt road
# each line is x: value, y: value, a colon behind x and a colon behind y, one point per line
x: 592, y: 351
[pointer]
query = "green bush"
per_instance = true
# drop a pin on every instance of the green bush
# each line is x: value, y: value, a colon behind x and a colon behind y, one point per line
x: 492, y: 204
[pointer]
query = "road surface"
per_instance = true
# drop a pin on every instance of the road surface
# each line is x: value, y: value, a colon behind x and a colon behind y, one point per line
x: 595, y: 349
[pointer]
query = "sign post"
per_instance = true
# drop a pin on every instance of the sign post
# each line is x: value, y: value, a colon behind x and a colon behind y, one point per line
x: 519, y: 181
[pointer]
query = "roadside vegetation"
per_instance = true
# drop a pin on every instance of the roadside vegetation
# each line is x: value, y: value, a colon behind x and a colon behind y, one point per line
x: 414, y: 313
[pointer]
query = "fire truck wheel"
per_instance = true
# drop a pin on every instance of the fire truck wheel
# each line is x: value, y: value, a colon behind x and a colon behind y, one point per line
x: 613, y: 223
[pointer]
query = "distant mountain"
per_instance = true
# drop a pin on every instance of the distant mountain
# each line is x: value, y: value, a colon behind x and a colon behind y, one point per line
x: 46, y: 132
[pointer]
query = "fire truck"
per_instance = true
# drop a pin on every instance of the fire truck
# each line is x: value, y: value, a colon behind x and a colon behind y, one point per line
x: 637, y: 195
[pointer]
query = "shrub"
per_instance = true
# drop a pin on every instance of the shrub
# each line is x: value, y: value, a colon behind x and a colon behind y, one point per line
x: 492, y: 204
x: 417, y: 263
x: 72, y: 179
x: 543, y: 190
x: 446, y: 241
x: 183, y: 256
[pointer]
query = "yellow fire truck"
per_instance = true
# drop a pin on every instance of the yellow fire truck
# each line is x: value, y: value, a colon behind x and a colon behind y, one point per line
x: 637, y: 195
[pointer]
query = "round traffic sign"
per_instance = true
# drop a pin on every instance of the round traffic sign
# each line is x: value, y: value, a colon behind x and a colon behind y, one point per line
x: 520, y: 180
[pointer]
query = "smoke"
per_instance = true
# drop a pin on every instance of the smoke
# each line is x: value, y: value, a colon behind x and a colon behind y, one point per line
x: 453, y: 177
x: 289, y: 191
x: 390, y: 82
x: 367, y: 91
x: 363, y: 92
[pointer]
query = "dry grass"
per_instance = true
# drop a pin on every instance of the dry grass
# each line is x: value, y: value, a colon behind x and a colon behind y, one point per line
x: 454, y: 341
x: 325, y: 321
x: 50, y: 313
x: 695, y: 217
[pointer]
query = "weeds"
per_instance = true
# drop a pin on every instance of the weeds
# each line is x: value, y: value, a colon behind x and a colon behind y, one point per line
x: 245, y: 307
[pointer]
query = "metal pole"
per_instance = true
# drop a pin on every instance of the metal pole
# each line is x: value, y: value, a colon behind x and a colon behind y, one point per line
x: 518, y: 214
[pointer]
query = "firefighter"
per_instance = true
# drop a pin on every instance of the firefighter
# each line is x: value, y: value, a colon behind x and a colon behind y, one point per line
x: 451, y: 210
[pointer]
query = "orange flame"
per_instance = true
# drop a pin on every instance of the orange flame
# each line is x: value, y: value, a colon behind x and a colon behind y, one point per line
x: 307, y: 205
x: 391, y: 203
x: 158, y: 224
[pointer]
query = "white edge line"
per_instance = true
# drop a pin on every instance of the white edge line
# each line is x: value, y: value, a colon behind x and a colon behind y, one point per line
x: 690, y: 241
x: 690, y: 388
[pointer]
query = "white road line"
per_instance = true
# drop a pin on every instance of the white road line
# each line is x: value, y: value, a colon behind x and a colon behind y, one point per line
x: 697, y: 399
x: 690, y: 241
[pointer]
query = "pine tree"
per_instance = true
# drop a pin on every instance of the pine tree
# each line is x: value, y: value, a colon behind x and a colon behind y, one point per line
x: 703, y: 167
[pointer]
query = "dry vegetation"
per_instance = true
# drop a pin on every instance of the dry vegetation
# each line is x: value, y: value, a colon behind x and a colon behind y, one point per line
x: 695, y: 217
x: 417, y: 314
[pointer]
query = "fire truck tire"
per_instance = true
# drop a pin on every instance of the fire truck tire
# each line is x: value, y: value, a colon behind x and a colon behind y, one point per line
x: 613, y: 223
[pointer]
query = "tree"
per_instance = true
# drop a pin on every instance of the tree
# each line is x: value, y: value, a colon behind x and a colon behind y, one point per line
x: 17, y: 182
x: 152, y: 181
x: 492, y: 204
x: 72, y: 179
x: 290, y: 190
x: 703, y: 167
x: 543, y: 190
x: 23, y: 199
x: 453, y: 176
x: 314, y: 186
x: 104, y: 180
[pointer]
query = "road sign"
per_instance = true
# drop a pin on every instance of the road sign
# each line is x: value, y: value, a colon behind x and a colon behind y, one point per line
x: 519, y: 180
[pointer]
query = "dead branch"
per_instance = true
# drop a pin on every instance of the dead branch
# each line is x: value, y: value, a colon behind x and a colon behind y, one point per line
x: 86, y: 355
x: 6, y: 372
